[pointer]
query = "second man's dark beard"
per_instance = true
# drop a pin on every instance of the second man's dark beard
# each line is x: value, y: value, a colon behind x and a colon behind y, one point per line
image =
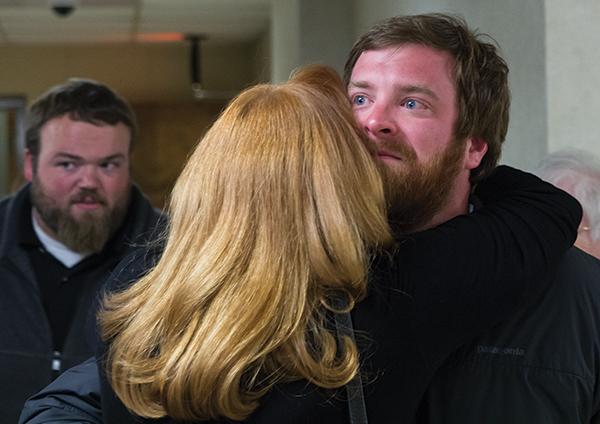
x: 89, y: 233
x: 416, y: 195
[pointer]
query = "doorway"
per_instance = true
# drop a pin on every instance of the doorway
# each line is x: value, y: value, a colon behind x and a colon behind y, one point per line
x: 12, y: 142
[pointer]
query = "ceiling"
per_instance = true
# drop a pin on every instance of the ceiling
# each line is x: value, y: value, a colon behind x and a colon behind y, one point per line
x: 105, y: 21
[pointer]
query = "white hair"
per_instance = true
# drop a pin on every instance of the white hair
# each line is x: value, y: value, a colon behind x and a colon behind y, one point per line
x: 577, y: 172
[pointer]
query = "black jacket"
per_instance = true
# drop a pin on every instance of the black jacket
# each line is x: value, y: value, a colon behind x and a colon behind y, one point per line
x: 26, y: 349
x: 541, y: 366
x: 442, y: 288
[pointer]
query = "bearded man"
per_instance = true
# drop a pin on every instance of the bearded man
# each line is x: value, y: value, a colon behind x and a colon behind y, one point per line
x: 432, y: 96
x: 61, y: 234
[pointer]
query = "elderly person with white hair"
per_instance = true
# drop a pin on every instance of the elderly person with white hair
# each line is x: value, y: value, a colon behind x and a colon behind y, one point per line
x: 578, y: 173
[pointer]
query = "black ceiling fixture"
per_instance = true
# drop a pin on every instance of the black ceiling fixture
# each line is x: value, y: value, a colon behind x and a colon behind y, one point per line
x: 198, y: 89
x: 62, y: 8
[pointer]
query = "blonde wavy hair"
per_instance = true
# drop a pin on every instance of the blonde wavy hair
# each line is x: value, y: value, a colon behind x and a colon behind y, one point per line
x: 279, y: 206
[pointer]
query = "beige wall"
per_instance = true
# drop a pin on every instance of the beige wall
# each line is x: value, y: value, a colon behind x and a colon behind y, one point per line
x: 261, y: 61
x: 168, y: 132
x: 573, y: 69
x: 141, y: 72
x: 309, y: 31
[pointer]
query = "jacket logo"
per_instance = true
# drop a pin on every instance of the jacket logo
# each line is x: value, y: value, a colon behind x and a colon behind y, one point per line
x: 500, y: 350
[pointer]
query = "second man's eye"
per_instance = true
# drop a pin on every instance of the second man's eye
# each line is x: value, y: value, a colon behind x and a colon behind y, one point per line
x: 359, y: 100
x: 411, y: 104
x: 109, y: 166
x: 67, y: 166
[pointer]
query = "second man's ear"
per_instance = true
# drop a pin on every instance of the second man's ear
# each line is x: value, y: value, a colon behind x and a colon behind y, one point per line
x: 28, y: 165
x: 476, y: 148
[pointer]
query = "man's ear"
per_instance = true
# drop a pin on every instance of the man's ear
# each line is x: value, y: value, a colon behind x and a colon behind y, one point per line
x: 476, y: 148
x: 28, y: 165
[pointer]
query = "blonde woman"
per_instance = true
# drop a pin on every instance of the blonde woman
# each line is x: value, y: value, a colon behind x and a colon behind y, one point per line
x: 278, y: 215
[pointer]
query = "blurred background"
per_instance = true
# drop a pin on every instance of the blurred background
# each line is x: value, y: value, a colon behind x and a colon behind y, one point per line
x: 179, y: 61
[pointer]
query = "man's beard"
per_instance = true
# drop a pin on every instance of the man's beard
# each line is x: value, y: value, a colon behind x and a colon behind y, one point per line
x: 91, y: 231
x: 416, y: 193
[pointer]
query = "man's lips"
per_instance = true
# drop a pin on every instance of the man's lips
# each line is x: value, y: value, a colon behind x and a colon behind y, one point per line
x: 87, y: 206
x: 383, y: 155
x: 87, y: 202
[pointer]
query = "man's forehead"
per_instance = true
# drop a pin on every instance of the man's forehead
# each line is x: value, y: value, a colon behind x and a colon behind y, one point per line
x: 79, y: 138
x: 405, y: 67
x: 407, y: 54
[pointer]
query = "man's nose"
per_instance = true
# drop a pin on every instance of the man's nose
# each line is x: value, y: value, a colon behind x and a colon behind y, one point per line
x: 380, y: 122
x: 88, y: 177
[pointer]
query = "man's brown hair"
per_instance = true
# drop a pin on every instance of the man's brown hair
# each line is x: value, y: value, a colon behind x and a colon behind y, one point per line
x: 480, y: 74
x: 82, y: 100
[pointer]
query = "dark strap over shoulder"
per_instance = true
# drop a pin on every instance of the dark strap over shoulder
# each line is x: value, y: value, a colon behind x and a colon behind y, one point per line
x: 354, y: 391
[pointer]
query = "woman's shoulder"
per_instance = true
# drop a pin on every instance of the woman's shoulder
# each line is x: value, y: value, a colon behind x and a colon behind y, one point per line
x: 134, y: 266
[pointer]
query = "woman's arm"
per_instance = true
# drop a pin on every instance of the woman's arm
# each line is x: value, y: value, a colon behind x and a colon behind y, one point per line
x: 74, y: 397
x: 475, y: 270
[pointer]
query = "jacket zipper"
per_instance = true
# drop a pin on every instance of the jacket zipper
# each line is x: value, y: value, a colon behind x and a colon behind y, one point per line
x: 56, y: 363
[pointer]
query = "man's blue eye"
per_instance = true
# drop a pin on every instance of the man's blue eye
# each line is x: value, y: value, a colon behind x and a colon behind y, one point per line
x: 411, y: 104
x: 359, y: 100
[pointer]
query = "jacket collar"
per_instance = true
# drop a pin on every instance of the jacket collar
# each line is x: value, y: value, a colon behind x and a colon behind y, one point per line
x: 16, y: 209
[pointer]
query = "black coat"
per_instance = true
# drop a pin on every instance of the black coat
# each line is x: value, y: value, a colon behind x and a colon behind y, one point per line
x: 26, y: 347
x: 540, y: 366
